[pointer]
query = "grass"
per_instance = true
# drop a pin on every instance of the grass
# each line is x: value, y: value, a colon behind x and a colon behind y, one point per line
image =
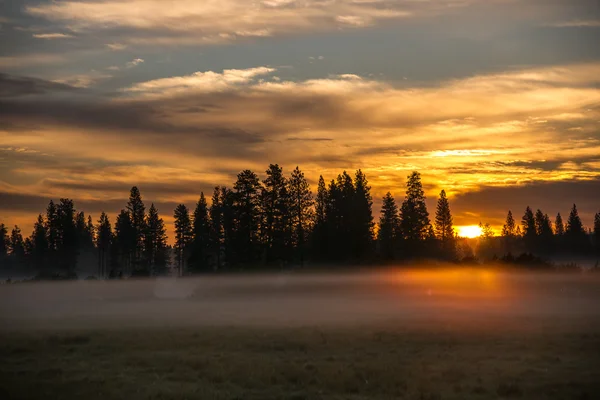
x: 548, y: 361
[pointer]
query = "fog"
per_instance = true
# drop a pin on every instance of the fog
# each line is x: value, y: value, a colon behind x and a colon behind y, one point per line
x: 466, y: 298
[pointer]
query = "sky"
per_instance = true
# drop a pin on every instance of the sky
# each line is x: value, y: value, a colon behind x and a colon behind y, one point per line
x: 495, y: 101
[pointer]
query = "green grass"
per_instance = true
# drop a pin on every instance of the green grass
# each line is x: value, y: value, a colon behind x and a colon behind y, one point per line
x: 545, y: 361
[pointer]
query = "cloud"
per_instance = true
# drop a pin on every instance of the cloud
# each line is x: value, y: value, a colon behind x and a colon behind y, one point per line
x: 134, y: 63
x: 200, y: 81
x: 52, y: 36
x: 576, y: 24
x: 512, y: 129
x: 14, y: 86
x: 25, y: 60
x: 116, y: 46
x: 213, y: 21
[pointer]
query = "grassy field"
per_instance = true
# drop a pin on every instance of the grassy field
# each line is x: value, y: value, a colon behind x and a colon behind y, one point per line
x: 303, y: 363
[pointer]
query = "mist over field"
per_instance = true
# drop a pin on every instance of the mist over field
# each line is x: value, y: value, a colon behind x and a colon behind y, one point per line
x: 462, y: 297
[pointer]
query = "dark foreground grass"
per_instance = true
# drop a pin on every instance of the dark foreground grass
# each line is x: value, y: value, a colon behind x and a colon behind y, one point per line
x: 303, y: 363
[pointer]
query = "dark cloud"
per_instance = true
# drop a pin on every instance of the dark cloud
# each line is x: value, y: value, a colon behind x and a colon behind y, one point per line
x: 550, y: 197
x: 154, y: 188
x: 15, y: 86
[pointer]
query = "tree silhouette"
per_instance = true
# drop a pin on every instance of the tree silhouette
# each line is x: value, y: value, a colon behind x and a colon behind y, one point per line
x: 509, y: 229
x: 4, y: 242
x: 247, y: 216
x: 17, y: 245
x: 389, y: 227
x: 559, y: 227
x: 68, y: 246
x: 228, y: 210
x: 155, y: 257
x: 597, y: 231
x: 104, y: 239
x: 301, y: 210
x: 276, y: 222
x: 543, y: 228
x: 444, y: 229
x: 39, y: 243
x: 575, y: 234
x: 183, y: 236
x: 361, y: 217
x: 124, y: 244
x: 415, y: 218
x: 201, y: 236
x: 216, y: 226
x: 529, y: 229
x: 137, y: 211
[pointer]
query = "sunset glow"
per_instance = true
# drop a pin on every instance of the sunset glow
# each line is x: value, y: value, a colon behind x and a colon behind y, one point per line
x: 470, y: 231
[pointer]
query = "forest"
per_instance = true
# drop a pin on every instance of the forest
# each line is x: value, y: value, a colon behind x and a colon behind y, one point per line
x: 277, y: 222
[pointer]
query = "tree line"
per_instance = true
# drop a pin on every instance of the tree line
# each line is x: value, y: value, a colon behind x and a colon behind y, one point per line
x: 274, y: 222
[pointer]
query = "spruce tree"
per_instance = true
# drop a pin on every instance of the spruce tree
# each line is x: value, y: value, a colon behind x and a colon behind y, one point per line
x: 444, y: 229
x: 559, y: 226
x: 413, y: 212
x: 529, y: 229
x: 137, y: 212
x: 276, y: 222
x: 17, y: 246
x: 104, y: 238
x: 509, y: 229
x: 247, y: 216
x: 301, y: 210
x: 228, y: 212
x: 362, y: 217
x: 577, y: 240
x: 68, y: 243
x: 39, y: 240
x: 124, y: 244
x: 389, y: 227
x: 319, y: 235
x: 183, y: 236
x: 597, y: 231
x: 216, y: 227
x: 4, y: 242
x: 155, y: 257
x: 201, y: 237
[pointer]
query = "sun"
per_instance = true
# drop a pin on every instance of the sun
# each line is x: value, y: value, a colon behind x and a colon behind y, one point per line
x: 469, y: 231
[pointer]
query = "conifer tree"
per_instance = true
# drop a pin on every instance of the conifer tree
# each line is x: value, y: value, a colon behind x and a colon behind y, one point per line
x: 597, y: 231
x: 276, y: 222
x: 201, y: 236
x: 444, y: 229
x: 362, y: 217
x: 17, y: 245
x: 104, y: 238
x: 509, y: 229
x: 389, y: 227
x: 228, y: 212
x: 137, y: 213
x: 529, y: 229
x: 559, y: 226
x: 577, y: 240
x: 4, y: 242
x: 247, y: 216
x: 155, y: 244
x: 216, y: 226
x: 183, y: 236
x: 68, y: 243
x: 319, y: 234
x: 301, y: 210
x: 414, y: 216
x: 39, y: 242
x: 124, y: 244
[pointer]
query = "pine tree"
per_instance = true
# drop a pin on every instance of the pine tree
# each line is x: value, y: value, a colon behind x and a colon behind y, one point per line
x: 389, y: 227
x: 201, y: 236
x: 444, y: 229
x: 68, y: 243
x: 183, y: 236
x: 529, y: 230
x: 543, y: 229
x: 124, y: 245
x: 276, y: 223
x: 4, y: 242
x: 559, y: 227
x: 362, y: 223
x: 301, y: 210
x: 155, y: 257
x: 597, y: 231
x: 137, y: 212
x: 228, y: 212
x: 575, y: 234
x: 319, y: 237
x: 414, y: 216
x: 17, y: 245
x: 509, y: 230
x: 39, y: 242
x: 247, y: 216
x: 216, y: 227
x: 104, y: 238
